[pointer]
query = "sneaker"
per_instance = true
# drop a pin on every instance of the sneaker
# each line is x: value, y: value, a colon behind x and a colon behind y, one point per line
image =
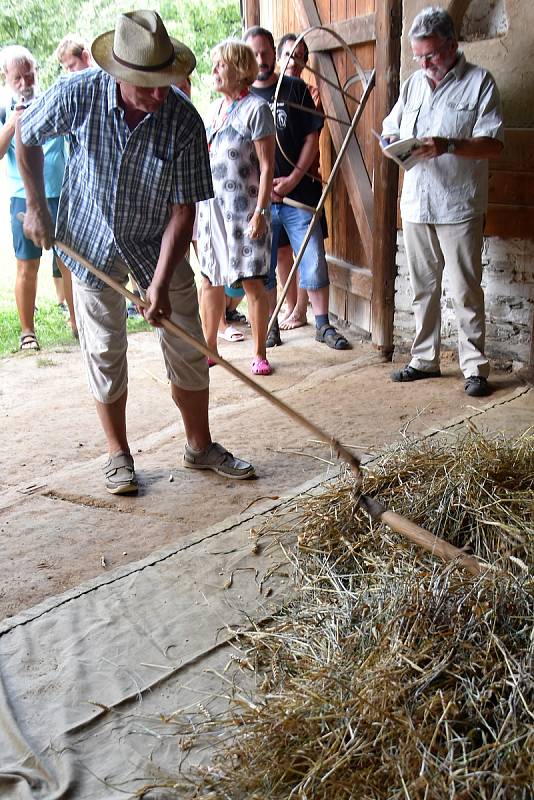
x: 63, y: 307
x: 218, y: 459
x: 273, y: 337
x: 409, y: 373
x: 119, y: 474
x: 476, y: 387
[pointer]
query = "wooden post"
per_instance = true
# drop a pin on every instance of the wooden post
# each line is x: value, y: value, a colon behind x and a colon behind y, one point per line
x: 353, y: 169
x: 386, y: 177
x: 250, y: 13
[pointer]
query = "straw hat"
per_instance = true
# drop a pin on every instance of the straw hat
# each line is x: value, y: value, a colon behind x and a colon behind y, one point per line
x: 141, y: 52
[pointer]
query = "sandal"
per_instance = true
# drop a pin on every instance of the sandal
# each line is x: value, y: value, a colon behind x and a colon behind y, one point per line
x: 231, y: 334
x: 235, y: 316
x: 328, y: 335
x: 28, y: 341
x: 260, y: 366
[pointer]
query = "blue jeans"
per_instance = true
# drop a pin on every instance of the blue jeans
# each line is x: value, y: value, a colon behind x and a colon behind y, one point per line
x: 295, y: 221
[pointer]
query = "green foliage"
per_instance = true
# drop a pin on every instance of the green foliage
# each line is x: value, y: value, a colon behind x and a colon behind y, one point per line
x: 40, y: 24
x: 51, y: 328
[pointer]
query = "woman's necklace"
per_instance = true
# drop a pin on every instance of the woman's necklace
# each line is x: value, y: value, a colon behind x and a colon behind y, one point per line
x: 222, y: 116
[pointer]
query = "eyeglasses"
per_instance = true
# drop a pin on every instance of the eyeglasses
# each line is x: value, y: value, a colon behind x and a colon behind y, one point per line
x: 428, y: 56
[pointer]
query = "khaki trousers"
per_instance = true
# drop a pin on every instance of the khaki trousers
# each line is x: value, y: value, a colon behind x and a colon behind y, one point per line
x: 458, y: 249
x: 101, y: 318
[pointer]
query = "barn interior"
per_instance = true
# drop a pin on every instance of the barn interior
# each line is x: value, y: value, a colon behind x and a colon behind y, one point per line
x: 128, y: 624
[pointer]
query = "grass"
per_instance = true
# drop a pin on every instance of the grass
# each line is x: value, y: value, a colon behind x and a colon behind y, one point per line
x: 51, y: 328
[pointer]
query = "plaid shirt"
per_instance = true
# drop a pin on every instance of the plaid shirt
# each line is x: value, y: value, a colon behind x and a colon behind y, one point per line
x: 119, y: 184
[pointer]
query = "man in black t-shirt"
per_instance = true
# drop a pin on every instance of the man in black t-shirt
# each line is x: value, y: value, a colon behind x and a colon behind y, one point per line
x: 298, y: 138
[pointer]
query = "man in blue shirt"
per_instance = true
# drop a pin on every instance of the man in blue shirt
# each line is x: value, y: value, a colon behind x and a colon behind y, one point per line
x: 19, y: 69
x: 138, y: 163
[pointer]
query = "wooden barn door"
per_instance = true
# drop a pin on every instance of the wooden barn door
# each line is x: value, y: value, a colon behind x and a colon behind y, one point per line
x: 362, y: 209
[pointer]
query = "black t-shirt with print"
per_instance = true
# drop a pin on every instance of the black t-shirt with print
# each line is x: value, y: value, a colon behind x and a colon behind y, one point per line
x: 292, y: 126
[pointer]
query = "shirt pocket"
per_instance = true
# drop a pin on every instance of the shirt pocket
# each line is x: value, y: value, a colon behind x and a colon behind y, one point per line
x: 409, y: 120
x: 459, y: 119
x: 154, y: 175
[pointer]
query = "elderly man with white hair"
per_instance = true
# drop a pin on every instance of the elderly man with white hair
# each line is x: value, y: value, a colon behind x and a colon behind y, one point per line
x: 19, y: 69
x: 137, y: 165
x: 453, y: 107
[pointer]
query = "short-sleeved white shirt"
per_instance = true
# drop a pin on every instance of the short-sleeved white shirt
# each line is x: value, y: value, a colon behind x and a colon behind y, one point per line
x: 464, y: 105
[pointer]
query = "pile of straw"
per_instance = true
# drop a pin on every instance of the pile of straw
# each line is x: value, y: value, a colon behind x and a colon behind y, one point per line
x: 394, y: 675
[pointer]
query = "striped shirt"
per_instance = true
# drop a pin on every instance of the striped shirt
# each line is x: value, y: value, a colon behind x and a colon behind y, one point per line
x: 119, y: 184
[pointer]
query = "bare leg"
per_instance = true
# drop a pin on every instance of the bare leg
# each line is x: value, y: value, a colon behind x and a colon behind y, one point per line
x: 296, y: 299
x: 60, y: 290
x: 113, y: 420
x: 212, y: 308
x: 258, y: 309
x: 67, y: 286
x: 283, y: 266
x: 25, y: 292
x: 298, y: 316
x: 319, y: 300
x: 194, y: 410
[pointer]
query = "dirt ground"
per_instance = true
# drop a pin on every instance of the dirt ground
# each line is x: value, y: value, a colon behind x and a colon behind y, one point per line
x: 58, y: 525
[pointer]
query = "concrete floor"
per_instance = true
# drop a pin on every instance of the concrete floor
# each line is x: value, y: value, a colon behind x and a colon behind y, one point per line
x: 60, y: 527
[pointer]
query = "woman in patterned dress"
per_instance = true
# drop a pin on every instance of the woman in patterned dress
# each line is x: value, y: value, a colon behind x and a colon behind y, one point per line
x: 234, y: 231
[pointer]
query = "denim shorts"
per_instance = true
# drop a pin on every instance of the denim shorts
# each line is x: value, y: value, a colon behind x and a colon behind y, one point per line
x: 24, y: 248
x: 313, y: 268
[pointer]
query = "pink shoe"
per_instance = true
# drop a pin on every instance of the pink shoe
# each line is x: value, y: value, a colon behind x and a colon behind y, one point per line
x: 211, y: 362
x: 260, y: 366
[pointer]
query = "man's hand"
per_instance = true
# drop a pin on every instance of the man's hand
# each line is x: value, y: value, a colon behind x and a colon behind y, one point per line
x: 431, y: 147
x: 16, y: 113
x: 282, y: 187
x: 38, y: 225
x: 160, y: 305
x: 7, y: 131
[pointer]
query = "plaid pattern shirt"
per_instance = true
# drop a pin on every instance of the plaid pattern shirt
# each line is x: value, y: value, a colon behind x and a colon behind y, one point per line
x: 119, y: 184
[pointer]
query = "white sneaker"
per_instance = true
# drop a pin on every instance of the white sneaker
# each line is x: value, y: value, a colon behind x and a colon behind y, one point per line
x: 216, y: 458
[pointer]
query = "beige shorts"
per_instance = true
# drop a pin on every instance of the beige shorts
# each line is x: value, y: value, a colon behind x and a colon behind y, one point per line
x: 101, y: 320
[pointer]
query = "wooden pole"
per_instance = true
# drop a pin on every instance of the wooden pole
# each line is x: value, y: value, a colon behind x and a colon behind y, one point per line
x: 346, y: 142
x: 386, y: 176
x: 250, y: 13
x: 419, y: 536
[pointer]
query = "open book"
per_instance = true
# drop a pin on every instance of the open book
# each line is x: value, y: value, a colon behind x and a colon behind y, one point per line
x: 400, y: 151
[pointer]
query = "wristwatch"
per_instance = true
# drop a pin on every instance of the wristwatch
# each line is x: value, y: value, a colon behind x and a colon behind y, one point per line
x: 451, y: 146
x: 262, y: 211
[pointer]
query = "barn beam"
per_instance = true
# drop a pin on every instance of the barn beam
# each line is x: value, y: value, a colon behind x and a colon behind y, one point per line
x: 357, y: 30
x: 250, y: 13
x: 353, y: 169
x: 386, y: 176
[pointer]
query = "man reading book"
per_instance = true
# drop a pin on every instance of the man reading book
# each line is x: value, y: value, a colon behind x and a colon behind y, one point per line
x: 453, y: 107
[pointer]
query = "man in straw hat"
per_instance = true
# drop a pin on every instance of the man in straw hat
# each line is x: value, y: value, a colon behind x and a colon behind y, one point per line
x: 138, y: 164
